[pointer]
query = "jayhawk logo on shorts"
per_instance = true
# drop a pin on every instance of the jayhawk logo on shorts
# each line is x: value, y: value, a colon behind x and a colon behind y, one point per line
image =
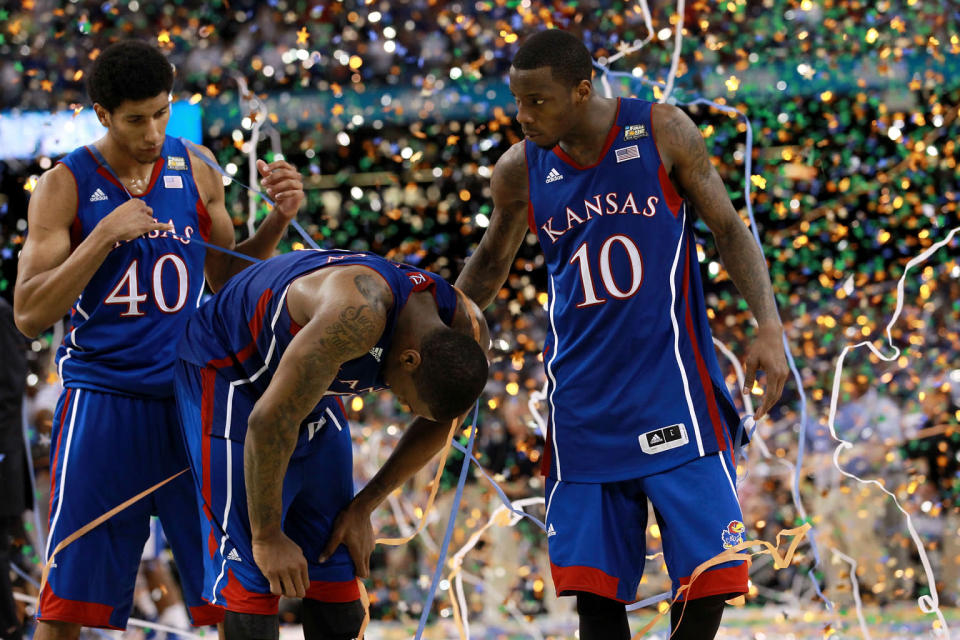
x: 733, y: 535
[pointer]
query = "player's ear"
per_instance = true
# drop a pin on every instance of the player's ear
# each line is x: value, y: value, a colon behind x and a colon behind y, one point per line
x: 102, y: 114
x: 410, y: 360
x: 583, y: 90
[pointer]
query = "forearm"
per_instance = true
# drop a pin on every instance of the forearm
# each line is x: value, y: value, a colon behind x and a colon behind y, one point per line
x: 263, y: 243
x: 46, y: 297
x: 266, y: 454
x: 482, y: 276
x: 744, y: 262
x: 420, y: 443
x: 260, y: 246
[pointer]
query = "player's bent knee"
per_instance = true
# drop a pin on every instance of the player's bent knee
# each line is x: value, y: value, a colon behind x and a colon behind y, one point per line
x: 331, y: 620
x: 250, y: 626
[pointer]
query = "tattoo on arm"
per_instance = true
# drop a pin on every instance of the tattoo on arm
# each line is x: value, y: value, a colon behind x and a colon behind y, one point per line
x: 265, y: 460
x: 744, y: 262
x: 344, y: 339
x: 702, y: 185
x: 272, y: 434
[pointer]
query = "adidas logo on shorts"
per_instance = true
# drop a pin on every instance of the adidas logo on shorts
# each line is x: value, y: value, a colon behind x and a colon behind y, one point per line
x: 553, y: 176
x: 98, y: 196
x: 551, y: 531
x: 233, y: 555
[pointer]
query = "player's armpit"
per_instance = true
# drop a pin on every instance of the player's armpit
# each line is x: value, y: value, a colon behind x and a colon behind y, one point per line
x: 488, y: 267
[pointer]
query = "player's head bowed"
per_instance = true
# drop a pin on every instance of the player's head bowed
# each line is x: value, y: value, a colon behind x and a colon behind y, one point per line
x: 442, y: 378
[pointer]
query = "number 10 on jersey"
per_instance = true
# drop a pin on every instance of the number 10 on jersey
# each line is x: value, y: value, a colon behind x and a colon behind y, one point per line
x: 613, y: 289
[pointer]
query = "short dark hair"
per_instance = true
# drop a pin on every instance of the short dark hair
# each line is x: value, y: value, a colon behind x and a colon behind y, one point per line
x: 564, y: 53
x: 128, y: 70
x: 452, y: 373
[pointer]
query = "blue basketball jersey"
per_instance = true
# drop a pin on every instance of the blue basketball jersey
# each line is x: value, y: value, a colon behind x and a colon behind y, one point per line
x: 126, y: 323
x: 243, y: 331
x: 634, y: 383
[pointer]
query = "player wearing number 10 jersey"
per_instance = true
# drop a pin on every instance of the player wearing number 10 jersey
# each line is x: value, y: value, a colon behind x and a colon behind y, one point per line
x: 638, y: 408
x: 112, y: 240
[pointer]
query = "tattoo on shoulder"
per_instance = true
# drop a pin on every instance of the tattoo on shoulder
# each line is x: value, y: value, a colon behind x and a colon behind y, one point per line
x: 371, y: 289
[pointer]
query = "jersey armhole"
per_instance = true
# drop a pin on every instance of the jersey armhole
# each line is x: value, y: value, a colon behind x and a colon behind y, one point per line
x: 204, y: 221
x: 674, y: 199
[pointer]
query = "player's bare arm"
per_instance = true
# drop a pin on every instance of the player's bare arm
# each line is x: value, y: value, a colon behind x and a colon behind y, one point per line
x: 421, y: 441
x: 281, y: 181
x: 488, y: 267
x: 343, y: 314
x: 686, y: 160
x: 50, y: 276
x: 469, y: 321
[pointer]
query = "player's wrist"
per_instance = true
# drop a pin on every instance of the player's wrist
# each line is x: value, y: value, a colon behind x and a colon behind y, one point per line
x: 103, y: 237
x: 770, y: 327
x: 266, y: 535
x: 364, y: 503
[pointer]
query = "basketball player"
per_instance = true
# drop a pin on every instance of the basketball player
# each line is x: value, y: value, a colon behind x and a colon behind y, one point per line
x: 637, y: 404
x: 101, y: 246
x: 261, y: 369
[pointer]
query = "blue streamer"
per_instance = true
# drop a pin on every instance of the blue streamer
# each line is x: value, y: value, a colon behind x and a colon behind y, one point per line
x: 660, y: 597
x: 748, y: 188
x: 20, y: 572
x: 216, y: 167
x: 441, y: 560
x: 503, y: 496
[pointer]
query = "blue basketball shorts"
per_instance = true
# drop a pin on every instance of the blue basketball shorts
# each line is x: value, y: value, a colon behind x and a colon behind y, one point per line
x: 107, y: 448
x: 317, y: 486
x: 596, y: 532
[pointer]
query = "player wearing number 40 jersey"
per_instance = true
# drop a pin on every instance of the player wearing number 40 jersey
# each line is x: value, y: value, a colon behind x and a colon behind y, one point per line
x: 638, y: 408
x: 111, y: 241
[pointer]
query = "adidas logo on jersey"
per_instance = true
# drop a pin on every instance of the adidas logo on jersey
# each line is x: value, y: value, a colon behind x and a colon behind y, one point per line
x: 551, y: 531
x: 98, y: 196
x: 233, y: 555
x: 314, y: 427
x: 377, y: 353
x: 553, y: 176
x: 664, y: 438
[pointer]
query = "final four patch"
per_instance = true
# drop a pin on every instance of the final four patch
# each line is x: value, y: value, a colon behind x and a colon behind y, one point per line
x: 635, y: 131
x: 176, y: 163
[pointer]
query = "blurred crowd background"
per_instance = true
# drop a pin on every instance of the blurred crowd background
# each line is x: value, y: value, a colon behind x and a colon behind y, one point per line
x: 396, y: 113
